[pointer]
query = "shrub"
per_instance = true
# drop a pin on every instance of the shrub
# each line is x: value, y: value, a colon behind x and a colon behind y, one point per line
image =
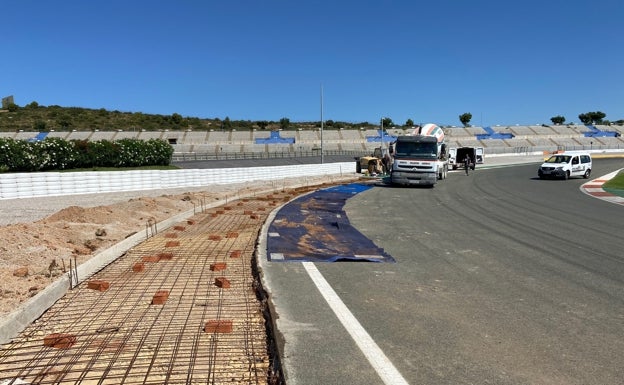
x: 59, y: 154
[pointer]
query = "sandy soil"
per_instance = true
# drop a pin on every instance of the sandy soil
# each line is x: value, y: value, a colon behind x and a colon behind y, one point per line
x: 34, y: 253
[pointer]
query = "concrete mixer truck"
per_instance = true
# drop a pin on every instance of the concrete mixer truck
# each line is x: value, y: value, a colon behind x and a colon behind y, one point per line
x: 420, y: 157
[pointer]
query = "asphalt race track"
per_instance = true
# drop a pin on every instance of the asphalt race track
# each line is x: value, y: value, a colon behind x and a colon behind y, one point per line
x: 500, y: 278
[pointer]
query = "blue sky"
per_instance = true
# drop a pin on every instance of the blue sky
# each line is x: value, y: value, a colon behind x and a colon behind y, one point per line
x: 506, y: 63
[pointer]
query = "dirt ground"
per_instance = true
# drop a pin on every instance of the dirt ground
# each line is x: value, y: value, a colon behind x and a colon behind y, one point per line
x: 32, y: 255
x: 35, y: 253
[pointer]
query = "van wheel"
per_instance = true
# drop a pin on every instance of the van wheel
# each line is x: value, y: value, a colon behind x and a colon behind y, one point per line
x: 566, y: 176
x: 587, y: 173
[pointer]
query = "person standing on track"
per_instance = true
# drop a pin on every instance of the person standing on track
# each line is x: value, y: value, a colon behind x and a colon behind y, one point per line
x: 467, y: 163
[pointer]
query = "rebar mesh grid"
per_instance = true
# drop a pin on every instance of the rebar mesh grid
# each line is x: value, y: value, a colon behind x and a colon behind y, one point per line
x: 180, y: 308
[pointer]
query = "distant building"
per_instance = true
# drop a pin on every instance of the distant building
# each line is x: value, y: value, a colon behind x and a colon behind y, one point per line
x: 6, y: 101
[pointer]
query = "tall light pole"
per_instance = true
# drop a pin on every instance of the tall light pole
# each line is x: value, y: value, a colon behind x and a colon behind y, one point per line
x: 382, y: 134
x: 322, y: 156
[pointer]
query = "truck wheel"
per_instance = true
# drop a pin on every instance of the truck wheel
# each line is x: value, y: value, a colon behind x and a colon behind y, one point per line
x: 372, y: 165
x: 587, y: 173
x: 358, y: 167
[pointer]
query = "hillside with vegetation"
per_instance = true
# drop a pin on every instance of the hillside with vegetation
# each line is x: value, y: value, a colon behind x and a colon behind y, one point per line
x: 36, y: 118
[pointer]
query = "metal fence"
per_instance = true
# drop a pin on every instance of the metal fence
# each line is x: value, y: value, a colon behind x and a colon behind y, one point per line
x: 191, y: 156
x: 194, y: 156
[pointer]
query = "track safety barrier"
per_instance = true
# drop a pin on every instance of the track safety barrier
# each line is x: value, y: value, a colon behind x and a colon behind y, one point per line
x: 39, y: 184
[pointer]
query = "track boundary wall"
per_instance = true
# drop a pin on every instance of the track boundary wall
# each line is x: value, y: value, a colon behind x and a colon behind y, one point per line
x: 38, y: 184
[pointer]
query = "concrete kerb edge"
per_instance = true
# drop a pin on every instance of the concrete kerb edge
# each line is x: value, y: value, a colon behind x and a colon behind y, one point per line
x: 15, y: 322
x: 264, y: 276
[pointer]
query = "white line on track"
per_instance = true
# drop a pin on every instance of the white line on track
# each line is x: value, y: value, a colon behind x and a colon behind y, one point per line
x: 382, y: 365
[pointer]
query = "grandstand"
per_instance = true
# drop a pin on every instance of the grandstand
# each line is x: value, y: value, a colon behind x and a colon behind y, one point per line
x: 147, y: 135
x: 194, y: 137
x: 307, y: 142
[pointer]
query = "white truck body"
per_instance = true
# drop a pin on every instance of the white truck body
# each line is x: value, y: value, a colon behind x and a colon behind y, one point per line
x: 420, y: 158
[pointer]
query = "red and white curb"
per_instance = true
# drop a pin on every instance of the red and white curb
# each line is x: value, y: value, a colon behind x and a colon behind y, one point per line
x: 594, y: 188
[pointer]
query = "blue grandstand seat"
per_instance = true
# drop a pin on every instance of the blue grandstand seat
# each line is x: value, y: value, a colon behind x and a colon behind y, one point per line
x: 275, y: 138
x: 39, y: 137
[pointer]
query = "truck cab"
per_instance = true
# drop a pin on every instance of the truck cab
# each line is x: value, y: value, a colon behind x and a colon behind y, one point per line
x: 416, y: 161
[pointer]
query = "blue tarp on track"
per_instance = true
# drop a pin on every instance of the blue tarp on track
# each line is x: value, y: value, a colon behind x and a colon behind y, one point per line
x: 315, y: 228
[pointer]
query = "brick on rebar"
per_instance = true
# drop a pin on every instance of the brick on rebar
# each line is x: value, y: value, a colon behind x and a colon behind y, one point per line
x: 150, y: 258
x: 59, y: 340
x: 218, y: 326
x: 222, y: 282
x: 138, y: 267
x: 98, y: 284
x: 218, y: 266
x: 165, y: 256
x: 160, y: 297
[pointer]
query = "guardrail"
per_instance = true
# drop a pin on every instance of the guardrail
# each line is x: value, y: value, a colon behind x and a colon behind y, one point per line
x: 28, y: 185
x: 194, y: 156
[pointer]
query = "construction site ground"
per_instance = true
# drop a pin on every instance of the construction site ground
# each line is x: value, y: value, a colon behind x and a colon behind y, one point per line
x: 185, y: 306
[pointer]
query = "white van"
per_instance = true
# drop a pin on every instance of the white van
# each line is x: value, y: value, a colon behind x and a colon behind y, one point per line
x: 565, y: 165
x: 457, y: 155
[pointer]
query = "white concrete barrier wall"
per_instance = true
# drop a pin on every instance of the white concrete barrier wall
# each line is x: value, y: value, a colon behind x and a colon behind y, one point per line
x: 28, y: 185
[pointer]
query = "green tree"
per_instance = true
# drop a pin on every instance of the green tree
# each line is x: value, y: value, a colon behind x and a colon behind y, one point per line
x: 558, y: 119
x: 12, y: 107
x: 64, y: 121
x: 284, y: 123
x: 465, y: 118
x: 593, y: 117
x: 409, y: 123
x: 40, y: 125
x: 33, y: 105
x: 262, y: 124
x: 387, y: 122
x: 227, y: 123
x: 176, y: 118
